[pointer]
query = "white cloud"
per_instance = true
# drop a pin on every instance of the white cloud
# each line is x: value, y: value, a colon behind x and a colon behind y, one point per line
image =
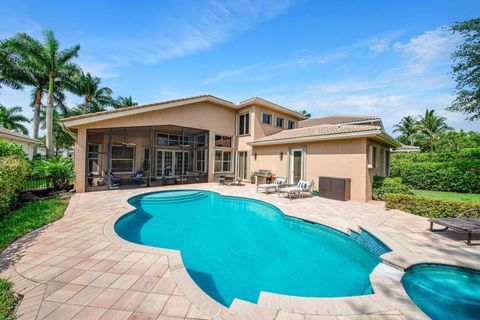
x: 380, y: 46
x: 203, y: 27
x: 230, y: 73
x: 430, y: 47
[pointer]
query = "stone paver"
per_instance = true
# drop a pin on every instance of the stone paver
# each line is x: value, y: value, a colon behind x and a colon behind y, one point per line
x: 77, y: 268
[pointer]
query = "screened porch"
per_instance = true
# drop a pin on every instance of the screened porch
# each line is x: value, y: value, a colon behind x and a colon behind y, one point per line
x: 145, y: 156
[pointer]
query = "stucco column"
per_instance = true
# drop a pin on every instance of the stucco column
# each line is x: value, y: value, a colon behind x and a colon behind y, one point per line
x: 211, y: 156
x: 80, y: 158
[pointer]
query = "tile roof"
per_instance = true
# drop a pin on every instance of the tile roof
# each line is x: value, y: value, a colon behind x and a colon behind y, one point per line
x: 337, y: 119
x: 319, y: 131
x: 10, y: 133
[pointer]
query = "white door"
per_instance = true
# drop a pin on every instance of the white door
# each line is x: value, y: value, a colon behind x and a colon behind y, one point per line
x: 296, y: 165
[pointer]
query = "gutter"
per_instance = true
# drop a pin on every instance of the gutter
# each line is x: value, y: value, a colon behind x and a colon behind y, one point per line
x: 20, y: 138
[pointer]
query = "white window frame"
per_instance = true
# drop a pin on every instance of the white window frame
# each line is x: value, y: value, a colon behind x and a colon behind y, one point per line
x: 290, y: 121
x: 247, y: 116
x: 269, y: 114
x: 133, y: 160
x: 202, y: 161
x: 222, y: 161
x: 372, y: 157
x: 283, y: 124
x: 98, y: 157
x: 247, y: 167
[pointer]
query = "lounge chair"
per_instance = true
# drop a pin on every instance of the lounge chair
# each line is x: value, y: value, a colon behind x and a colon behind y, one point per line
x: 297, y: 190
x: 460, y: 223
x: 267, y: 187
x: 138, y: 177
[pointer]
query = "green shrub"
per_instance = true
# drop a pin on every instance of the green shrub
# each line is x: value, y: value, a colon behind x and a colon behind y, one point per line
x: 383, y: 185
x: 13, y: 174
x: 8, y: 149
x: 59, y: 171
x: 458, y: 175
x: 427, y: 207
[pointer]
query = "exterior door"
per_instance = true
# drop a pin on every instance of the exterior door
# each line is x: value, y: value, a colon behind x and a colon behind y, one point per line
x: 165, y: 164
x: 243, y: 165
x: 296, y: 165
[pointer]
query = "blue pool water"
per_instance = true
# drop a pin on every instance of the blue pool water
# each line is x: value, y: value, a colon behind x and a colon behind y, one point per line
x: 444, y: 292
x: 236, y: 247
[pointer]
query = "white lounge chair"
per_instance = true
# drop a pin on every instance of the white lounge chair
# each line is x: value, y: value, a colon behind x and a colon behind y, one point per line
x: 267, y: 187
x: 297, y: 190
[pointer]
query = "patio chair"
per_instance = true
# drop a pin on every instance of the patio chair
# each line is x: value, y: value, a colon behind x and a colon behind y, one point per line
x: 297, y: 190
x: 461, y: 223
x: 114, y: 180
x: 138, y: 177
x: 267, y: 187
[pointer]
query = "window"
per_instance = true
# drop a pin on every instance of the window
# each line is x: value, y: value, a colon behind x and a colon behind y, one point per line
x: 223, y: 161
x: 291, y: 124
x: 244, y: 124
x: 123, y: 159
x: 279, y: 122
x: 93, y: 158
x: 266, y: 118
x: 200, y: 140
x: 223, y: 141
x: 173, y: 140
x: 372, y: 157
x: 200, y: 160
x: 162, y: 139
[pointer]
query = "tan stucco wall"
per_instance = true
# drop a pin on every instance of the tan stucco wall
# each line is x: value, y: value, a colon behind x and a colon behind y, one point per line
x: 262, y: 129
x: 340, y: 158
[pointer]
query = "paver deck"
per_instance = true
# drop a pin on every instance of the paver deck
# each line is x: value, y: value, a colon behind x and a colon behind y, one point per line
x: 78, y: 268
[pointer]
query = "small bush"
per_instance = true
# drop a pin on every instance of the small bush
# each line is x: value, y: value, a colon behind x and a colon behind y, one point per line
x: 383, y: 185
x: 13, y: 174
x: 8, y: 149
x: 426, y: 207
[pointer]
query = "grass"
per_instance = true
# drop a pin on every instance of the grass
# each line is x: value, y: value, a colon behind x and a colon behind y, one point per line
x: 448, y: 195
x: 8, y: 301
x: 28, y: 218
x: 16, y: 224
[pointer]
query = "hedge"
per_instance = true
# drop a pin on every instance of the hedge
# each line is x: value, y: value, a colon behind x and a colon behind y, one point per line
x: 459, y: 175
x: 426, y: 207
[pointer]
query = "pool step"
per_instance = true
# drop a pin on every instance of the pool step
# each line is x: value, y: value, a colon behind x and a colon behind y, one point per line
x: 171, y: 199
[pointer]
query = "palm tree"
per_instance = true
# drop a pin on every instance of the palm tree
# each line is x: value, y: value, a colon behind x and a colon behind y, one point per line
x: 124, y: 102
x: 305, y: 113
x: 408, y: 127
x: 430, y: 126
x: 9, y: 71
x: 96, y: 97
x: 12, y: 118
x: 49, y: 70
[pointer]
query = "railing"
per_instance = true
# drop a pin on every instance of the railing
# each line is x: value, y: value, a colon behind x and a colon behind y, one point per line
x: 34, y: 183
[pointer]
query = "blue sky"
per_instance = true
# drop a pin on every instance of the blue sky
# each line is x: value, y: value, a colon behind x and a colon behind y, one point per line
x: 387, y: 58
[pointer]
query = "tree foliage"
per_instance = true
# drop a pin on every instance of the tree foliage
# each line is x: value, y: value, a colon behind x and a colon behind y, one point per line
x: 12, y: 119
x: 96, y: 97
x: 124, y: 102
x: 466, y: 69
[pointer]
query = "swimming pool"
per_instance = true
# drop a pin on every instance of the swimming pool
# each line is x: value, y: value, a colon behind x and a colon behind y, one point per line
x: 444, y: 292
x: 236, y: 247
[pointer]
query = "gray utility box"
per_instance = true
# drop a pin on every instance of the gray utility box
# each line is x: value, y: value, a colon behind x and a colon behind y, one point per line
x: 334, y: 188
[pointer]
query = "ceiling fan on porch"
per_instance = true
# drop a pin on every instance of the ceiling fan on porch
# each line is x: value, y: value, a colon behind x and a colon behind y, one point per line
x: 124, y: 142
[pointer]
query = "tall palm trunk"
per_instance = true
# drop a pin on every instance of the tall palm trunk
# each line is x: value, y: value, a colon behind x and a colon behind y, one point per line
x: 49, y: 118
x: 87, y: 102
x: 36, y: 117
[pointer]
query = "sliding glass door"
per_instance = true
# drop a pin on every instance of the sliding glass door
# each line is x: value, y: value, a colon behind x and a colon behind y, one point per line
x: 171, y: 163
x: 243, y: 165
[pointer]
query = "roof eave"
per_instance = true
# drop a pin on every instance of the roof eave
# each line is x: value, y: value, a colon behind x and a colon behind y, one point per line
x: 371, y: 133
x: 257, y: 100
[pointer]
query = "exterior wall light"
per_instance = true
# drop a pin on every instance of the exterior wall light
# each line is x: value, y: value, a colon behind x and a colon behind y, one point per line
x: 281, y: 155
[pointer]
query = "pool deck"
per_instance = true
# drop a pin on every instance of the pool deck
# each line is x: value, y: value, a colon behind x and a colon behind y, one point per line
x: 78, y: 268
